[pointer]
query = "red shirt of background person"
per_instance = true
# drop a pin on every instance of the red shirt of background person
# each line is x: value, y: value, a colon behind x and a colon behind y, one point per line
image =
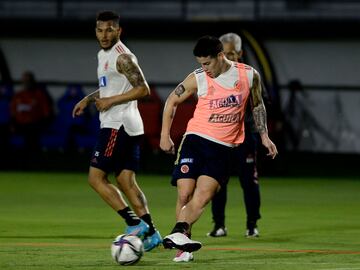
x: 31, y: 104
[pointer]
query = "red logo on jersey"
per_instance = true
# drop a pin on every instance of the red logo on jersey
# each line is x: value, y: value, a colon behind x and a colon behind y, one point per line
x: 106, y: 65
x: 184, y: 169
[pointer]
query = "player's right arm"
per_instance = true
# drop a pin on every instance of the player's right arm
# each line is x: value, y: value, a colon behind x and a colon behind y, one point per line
x: 82, y: 104
x: 259, y: 114
x: 183, y: 91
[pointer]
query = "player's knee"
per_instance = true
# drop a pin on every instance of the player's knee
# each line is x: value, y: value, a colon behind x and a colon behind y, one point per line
x: 183, y: 198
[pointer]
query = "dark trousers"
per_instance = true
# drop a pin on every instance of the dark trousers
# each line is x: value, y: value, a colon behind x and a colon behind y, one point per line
x: 244, y: 162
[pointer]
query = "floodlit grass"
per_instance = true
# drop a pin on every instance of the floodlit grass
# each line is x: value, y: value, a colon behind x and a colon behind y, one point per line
x: 55, y: 221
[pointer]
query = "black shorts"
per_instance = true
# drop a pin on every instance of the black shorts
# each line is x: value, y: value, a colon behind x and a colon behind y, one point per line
x: 198, y: 156
x: 115, y: 151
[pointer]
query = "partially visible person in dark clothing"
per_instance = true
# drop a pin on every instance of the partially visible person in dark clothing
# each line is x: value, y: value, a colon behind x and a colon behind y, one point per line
x: 30, y: 111
x: 6, y: 93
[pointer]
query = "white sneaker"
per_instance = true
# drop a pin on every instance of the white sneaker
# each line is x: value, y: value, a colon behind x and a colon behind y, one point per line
x: 254, y: 233
x: 218, y: 232
x: 181, y: 241
x: 183, y: 256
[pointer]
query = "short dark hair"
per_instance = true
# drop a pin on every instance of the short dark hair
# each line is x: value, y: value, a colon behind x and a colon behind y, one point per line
x: 108, y: 16
x: 208, y: 46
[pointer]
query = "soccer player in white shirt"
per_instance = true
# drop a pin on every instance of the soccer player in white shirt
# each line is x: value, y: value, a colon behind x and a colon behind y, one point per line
x: 121, y: 84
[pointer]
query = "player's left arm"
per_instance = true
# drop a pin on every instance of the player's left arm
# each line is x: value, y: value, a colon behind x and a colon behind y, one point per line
x: 127, y: 66
x: 259, y: 113
x: 82, y: 104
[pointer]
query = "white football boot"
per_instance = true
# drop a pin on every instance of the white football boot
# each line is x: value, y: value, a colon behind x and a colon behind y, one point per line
x: 183, y: 256
x: 181, y: 241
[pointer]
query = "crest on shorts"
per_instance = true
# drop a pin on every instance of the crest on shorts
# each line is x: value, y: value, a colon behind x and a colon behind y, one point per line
x: 184, y: 169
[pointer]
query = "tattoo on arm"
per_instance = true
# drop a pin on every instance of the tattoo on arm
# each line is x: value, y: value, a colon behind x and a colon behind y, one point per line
x: 91, y: 97
x: 259, y: 114
x: 258, y: 108
x: 127, y: 66
x: 179, y: 90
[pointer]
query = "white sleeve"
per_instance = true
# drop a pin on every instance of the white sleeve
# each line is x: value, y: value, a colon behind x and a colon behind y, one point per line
x: 250, y: 75
x: 201, y: 82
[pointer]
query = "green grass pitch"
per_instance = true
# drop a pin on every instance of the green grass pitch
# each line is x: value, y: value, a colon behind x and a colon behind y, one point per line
x: 53, y: 221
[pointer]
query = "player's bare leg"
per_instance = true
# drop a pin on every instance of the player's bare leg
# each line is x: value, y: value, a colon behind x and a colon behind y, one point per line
x: 205, y: 189
x: 112, y: 196
x: 185, y: 188
x: 127, y: 183
x: 98, y: 180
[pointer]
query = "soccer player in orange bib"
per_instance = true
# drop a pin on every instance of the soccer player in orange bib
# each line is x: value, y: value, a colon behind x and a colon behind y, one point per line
x: 223, y: 88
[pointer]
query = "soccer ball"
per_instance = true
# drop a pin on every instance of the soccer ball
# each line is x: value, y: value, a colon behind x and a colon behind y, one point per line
x: 127, y: 249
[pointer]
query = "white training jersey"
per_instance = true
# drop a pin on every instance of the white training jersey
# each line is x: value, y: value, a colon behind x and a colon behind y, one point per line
x: 112, y: 83
x: 228, y: 79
